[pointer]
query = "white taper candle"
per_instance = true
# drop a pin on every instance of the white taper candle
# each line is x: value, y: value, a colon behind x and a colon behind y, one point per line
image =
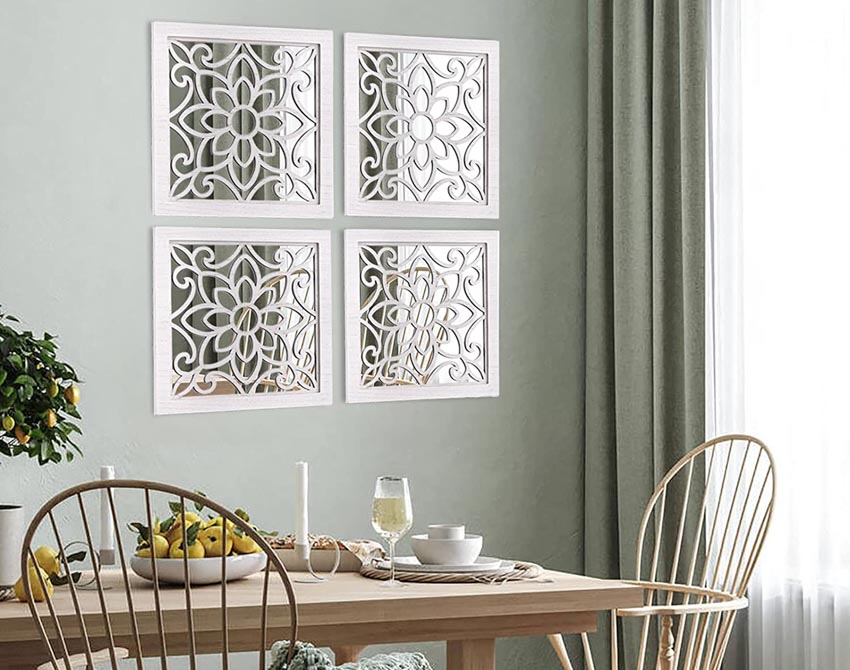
x: 107, y: 532
x: 301, y: 506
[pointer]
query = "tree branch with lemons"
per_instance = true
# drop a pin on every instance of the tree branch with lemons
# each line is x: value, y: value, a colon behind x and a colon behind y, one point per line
x: 38, y: 397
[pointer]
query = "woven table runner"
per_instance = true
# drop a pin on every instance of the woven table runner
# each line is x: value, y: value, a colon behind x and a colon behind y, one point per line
x: 520, y: 571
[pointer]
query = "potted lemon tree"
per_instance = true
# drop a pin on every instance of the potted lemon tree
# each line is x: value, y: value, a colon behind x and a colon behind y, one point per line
x: 38, y: 419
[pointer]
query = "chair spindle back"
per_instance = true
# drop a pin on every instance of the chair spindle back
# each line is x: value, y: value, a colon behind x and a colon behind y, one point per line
x: 107, y: 636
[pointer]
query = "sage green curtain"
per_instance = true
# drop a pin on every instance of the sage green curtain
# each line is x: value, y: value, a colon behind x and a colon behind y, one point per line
x: 644, y: 371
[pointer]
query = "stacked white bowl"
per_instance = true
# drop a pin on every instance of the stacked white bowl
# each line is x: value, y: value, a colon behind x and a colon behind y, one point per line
x: 447, y: 544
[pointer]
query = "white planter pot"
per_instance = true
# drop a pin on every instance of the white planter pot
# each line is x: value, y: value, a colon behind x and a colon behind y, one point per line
x: 11, y: 540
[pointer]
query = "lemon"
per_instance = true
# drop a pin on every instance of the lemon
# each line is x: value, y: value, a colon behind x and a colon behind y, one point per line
x: 211, y: 539
x: 72, y: 394
x: 50, y: 418
x: 160, y: 545
x: 47, y: 559
x: 216, y: 521
x: 52, y: 389
x: 245, y: 545
x: 8, y: 423
x: 35, y: 586
x: 21, y: 436
x: 196, y: 550
x: 175, y: 533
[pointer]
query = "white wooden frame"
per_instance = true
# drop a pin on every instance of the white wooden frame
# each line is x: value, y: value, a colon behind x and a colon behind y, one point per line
x: 163, y: 204
x: 164, y: 401
x: 354, y: 205
x: 354, y: 240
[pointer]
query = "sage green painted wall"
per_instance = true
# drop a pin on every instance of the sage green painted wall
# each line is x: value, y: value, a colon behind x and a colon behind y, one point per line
x: 75, y: 231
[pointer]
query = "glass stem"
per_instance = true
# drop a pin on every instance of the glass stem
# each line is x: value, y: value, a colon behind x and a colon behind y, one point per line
x: 392, y: 559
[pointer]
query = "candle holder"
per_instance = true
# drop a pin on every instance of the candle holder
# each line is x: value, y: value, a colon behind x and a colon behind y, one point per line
x: 97, y: 565
x: 303, y: 551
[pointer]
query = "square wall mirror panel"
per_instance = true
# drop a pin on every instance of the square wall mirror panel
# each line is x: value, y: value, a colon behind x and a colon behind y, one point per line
x: 421, y: 126
x: 242, y: 121
x: 421, y: 314
x: 241, y: 319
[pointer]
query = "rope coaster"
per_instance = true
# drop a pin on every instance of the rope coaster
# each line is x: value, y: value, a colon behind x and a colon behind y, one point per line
x: 520, y: 571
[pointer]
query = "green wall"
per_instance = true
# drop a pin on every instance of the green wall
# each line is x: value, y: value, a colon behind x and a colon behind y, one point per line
x: 75, y: 238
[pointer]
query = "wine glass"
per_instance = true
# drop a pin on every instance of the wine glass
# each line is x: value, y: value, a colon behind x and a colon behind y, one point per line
x: 392, y: 515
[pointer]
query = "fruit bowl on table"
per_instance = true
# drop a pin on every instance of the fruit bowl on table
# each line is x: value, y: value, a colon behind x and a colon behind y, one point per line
x: 206, y: 540
x: 201, y: 570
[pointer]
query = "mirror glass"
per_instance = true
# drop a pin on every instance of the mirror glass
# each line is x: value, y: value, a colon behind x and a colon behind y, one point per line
x: 243, y: 319
x: 421, y: 122
x: 422, y: 314
x: 243, y: 121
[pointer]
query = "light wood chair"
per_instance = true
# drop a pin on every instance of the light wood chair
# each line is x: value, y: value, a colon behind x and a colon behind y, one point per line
x: 100, y: 642
x: 710, y: 544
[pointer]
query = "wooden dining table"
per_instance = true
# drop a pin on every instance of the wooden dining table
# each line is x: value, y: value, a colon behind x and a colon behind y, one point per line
x: 348, y: 613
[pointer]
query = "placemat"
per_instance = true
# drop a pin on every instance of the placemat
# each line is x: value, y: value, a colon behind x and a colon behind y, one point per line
x: 521, y: 571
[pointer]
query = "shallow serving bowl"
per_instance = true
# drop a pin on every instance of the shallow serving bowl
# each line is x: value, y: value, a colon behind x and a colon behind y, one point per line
x: 201, y: 570
x: 432, y: 551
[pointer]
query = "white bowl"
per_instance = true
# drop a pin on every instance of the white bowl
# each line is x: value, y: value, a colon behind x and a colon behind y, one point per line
x: 201, y: 570
x: 431, y: 551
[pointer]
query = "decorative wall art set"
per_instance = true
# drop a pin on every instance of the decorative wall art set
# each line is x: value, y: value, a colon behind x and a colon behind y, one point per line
x: 243, y: 126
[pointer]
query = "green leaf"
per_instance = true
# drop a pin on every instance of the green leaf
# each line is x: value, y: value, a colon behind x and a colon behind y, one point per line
x: 63, y: 580
x: 141, y: 529
x: 166, y: 525
x: 24, y: 379
x: 76, y: 557
x: 3, y: 375
x: 200, y: 507
x: 192, y: 532
x: 15, y: 361
x: 175, y: 507
x: 7, y: 391
x: 242, y: 514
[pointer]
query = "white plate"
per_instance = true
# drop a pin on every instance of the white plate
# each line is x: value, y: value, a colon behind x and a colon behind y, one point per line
x: 482, y: 564
x: 201, y: 570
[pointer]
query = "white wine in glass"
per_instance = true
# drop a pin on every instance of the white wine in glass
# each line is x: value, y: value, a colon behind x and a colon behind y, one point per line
x: 392, y: 515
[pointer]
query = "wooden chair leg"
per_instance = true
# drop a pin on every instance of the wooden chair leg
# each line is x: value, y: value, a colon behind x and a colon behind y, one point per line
x: 347, y: 653
x: 557, y: 642
x: 666, y: 645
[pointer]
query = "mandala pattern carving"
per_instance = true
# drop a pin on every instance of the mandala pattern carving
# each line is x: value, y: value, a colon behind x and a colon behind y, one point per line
x: 422, y: 126
x: 243, y: 318
x: 243, y: 121
x: 422, y: 314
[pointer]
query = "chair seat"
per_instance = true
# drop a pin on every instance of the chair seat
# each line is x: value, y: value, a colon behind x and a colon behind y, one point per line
x: 307, y: 657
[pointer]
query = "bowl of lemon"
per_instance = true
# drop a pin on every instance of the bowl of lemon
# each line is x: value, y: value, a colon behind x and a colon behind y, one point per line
x: 205, y: 543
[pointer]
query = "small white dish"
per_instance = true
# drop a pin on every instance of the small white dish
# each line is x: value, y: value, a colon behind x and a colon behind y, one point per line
x: 481, y: 564
x: 446, y: 531
x: 447, y: 552
x: 201, y: 570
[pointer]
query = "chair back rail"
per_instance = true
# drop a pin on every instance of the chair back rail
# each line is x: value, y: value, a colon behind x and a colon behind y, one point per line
x: 81, y: 648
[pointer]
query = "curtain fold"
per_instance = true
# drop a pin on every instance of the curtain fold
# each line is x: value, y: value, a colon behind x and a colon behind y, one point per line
x: 644, y: 372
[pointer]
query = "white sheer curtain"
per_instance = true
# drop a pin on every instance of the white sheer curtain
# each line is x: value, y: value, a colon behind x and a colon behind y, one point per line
x: 779, y: 304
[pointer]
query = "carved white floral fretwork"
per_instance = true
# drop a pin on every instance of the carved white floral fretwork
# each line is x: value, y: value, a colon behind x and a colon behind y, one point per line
x: 421, y: 126
x: 240, y: 315
x: 244, y: 124
x: 240, y: 120
x: 425, y: 305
